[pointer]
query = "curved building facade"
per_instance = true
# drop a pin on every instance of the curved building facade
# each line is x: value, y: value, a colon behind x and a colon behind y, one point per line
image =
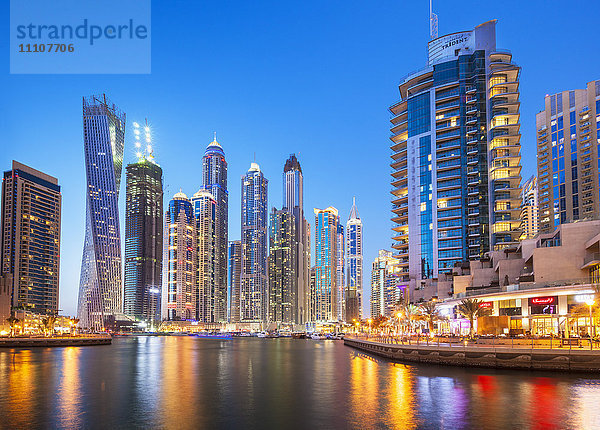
x: 456, y: 163
x: 100, y: 288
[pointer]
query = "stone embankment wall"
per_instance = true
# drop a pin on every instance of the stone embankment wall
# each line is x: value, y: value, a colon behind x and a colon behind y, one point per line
x: 483, y: 356
x: 51, y: 342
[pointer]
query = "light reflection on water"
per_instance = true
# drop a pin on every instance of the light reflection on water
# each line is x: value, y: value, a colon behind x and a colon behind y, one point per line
x: 180, y: 382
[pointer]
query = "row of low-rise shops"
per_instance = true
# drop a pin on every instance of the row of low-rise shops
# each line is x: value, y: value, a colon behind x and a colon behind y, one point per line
x: 558, y: 311
x: 548, y: 285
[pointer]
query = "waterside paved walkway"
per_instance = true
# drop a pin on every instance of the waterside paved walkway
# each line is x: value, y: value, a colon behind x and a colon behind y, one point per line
x: 503, y: 356
x: 28, y: 342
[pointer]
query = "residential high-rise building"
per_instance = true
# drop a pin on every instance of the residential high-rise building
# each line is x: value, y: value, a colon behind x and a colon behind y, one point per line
x: 210, y: 307
x: 182, y: 259
x: 385, y: 291
x: 143, y: 237
x: 326, y: 261
x: 568, y: 135
x: 456, y: 156
x: 340, y: 281
x: 254, y: 286
x: 312, y: 285
x: 529, y: 209
x: 100, y: 285
x: 282, y: 268
x: 30, y: 247
x: 354, y: 265
x: 293, y: 201
x: 235, y: 279
x: 214, y: 180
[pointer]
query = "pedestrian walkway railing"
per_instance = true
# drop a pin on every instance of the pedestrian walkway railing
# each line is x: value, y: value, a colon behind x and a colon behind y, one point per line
x: 484, y: 342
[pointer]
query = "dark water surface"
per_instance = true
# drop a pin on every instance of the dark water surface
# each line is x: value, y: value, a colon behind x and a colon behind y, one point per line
x: 181, y: 382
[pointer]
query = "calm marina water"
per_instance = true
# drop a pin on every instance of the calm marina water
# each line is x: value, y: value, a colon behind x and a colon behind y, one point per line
x: 181, y: 382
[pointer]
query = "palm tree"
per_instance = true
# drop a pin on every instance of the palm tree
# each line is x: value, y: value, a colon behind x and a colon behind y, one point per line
x: 471, y: 309
x: 13, y: 323
x: 410, y: 313
x: 431, y: 314
x: 48, y: 325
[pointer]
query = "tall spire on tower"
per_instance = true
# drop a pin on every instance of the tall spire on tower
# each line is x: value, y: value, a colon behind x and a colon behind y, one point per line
x: 433, y: 22
x: 354, y: 212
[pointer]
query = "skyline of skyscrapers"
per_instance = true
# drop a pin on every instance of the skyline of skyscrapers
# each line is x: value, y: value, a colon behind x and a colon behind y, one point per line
x: 568, y: 133
x: 354, y: 265
x: 254, y: 280
x: 100, y: 288
x: 143, y: 236
x: 456, y: 156
x: 30, y: 239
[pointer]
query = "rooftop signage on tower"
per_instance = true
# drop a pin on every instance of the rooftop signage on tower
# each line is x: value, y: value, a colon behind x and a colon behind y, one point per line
x: 446, y: 46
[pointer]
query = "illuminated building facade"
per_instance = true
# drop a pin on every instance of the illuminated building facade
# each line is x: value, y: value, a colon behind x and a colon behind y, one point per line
x: 210, y: 303
x: 282, y: 267
x: 254, y: 297
x: 385, y: 285
x: 529, y: 209
x: 182, y: 258
x: 235, y: 279
x: 143, y: 236
x: 341, y: 292
x: 456, y: 165
x: 100, y: 285
x: 293, y: 201
x: 214, y: 180
x: 30, y: 247
x: 354, y: 265
x: 325, y: 291
x: 568, y: 138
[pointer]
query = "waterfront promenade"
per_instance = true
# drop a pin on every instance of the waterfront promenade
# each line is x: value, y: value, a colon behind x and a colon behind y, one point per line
x: 465, y: 354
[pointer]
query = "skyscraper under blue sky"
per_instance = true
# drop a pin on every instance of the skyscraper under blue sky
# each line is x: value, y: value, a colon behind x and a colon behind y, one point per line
x: 214, y: 180
x: 354, y: 265
x: 254, y: 282
x: 456, y: 155
x: 100, y: 288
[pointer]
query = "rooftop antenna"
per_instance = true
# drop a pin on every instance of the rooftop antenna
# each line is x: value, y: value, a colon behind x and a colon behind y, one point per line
x: 215, y: 136
x: 433, y: 22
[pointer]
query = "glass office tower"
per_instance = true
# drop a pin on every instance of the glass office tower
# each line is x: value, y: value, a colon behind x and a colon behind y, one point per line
x: 235, y: 279
x: 456, y: 166
x: 282, y: 267
x: 100, y: 287
x: 214, y: 180
x: 325, y: 290
x: 293, y: 201
x: 30, y: 246
x: 354, y: 265
x: 568, y: 140
x: 254, y: 286
x: 143, y: 240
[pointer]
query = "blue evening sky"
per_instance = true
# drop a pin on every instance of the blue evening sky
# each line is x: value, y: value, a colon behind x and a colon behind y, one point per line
x: 277, y: 77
